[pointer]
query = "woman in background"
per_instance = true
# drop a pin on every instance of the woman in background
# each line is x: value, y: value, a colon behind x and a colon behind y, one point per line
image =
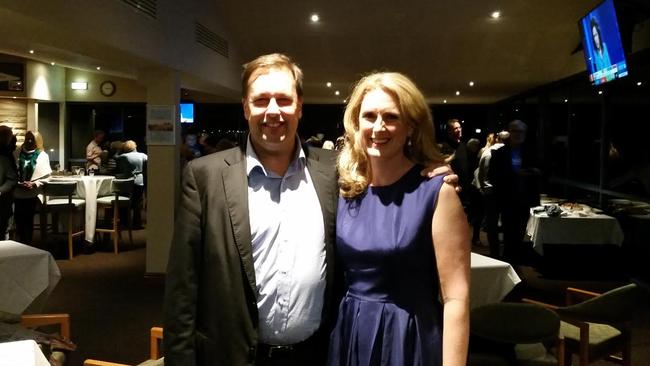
x: 402, y: 238
x: 132, y: 164
x: 8, y: 179
x: 602, y: 55
x: 33, y: 167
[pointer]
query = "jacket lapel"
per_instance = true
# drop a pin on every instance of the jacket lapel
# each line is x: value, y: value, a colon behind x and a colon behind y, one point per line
x: 236, y: 187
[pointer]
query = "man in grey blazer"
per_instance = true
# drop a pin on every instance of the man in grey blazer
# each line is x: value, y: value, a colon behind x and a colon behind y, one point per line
x: 250, y: 277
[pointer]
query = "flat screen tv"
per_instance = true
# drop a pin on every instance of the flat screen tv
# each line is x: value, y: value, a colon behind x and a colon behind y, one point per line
x: 601, y: 42
x: 187, y: 113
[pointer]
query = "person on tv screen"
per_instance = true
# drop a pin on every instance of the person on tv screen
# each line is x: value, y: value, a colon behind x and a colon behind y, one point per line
x: 601, y: 56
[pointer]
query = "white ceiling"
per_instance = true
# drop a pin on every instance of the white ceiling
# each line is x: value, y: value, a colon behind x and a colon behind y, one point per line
x: 440, y: 44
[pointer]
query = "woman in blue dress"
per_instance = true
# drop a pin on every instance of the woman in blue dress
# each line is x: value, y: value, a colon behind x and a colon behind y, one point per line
x: 402, y: 239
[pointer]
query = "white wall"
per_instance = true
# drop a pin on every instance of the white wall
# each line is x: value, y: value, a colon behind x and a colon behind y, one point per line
x: 126, y: 90
x: 44, y: 82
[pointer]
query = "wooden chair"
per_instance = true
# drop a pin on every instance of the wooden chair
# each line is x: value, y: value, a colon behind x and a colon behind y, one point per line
x: 58, y: 198
x: 156, y: 335
x: 598, y: 327
x: 504, y: 333
x: 120, y: 198
x: 40, y: 320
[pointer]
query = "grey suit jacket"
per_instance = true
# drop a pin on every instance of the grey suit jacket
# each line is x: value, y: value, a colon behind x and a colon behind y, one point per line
x: 210, y: 315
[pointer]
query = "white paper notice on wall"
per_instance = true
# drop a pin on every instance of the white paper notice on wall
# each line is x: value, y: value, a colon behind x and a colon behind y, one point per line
x: 161, y: 125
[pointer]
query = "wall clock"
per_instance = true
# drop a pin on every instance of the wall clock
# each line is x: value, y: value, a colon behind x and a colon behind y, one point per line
x: 107, y: 88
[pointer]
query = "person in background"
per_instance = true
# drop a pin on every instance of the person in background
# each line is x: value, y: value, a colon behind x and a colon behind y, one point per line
x: 515, y: 181
x: 314, y: 142
x: 33, y: 167
x: 109, y: 165
x: 454, y: 147
x: 340, y: 143
x: 132, y: 164
x: 211, y: 145
x: 189, y: 149
x: 601, y: 58
x: 482, y: 182
x: 328, y: 145
x: 402, y: 239
x: 475, y: 207
x: 8, y: 179
x: 94, y: 151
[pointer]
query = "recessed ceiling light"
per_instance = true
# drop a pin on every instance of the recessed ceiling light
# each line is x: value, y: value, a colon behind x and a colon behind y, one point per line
x: 31, y: 51
x: 495, y: 14
x: 345, y: 100
x: 566, y: 101
x: 52, y: 63
x: 99, y: 67
x: 336, y: 92
x: 471, y: 83
x: 478, y: 130
x: 638, y: 83
x: 600, y: 92
x: 314, y: 18
x: 457, y: 92
x: 445, y: 101
x: 329, y: 84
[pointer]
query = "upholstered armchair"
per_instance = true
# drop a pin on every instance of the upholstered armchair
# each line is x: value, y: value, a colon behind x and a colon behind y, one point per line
x: 597, y: 326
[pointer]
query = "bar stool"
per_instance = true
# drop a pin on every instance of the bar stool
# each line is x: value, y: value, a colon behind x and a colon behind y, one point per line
x: 57, y: 198
x: 120, y: 198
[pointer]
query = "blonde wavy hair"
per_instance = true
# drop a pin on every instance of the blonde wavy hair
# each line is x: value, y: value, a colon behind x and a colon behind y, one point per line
x: 355, y: 170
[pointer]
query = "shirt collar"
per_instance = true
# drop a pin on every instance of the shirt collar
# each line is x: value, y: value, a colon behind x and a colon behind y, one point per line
x: 252, y: 161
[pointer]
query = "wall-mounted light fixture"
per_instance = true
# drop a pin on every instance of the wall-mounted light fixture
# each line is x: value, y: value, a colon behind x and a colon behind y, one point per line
x: 79, y: 85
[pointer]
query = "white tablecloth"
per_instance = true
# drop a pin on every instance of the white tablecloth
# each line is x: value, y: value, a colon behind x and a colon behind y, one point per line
x: 491, y: 280
x: 594, y: 229
x: 22, y: 353
x: 27, y: 277
x: 89, y: 188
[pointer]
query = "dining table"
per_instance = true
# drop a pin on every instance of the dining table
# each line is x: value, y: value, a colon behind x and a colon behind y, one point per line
x: 491, y: 280
x: 89, y: 187
x: 22, y: 353
x: 27, y: 277
x: 575, y: 225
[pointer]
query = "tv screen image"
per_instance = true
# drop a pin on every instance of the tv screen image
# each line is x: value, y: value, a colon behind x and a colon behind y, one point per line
x: 601, y: 41
x: 187, y: 113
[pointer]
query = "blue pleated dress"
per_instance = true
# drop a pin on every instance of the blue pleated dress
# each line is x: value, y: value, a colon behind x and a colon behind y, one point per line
x: 391, y: 314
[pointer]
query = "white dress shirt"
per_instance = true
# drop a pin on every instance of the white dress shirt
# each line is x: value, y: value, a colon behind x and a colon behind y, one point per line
x: 288, y: 239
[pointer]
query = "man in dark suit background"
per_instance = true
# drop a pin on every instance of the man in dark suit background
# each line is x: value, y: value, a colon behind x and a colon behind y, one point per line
x: 250, y: 275
x: 515, y: 180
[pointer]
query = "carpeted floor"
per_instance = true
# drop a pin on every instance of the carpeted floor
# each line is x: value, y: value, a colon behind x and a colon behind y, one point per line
x: 113, y: 305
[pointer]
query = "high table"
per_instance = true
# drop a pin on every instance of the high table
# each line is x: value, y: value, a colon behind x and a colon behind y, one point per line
x: 491, y: 280
x: 27, y: 277
x: 573, y: 228
x: 89, y: 187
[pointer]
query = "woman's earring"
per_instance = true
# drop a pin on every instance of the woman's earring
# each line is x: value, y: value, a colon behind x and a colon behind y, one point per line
x: 408, y: 141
